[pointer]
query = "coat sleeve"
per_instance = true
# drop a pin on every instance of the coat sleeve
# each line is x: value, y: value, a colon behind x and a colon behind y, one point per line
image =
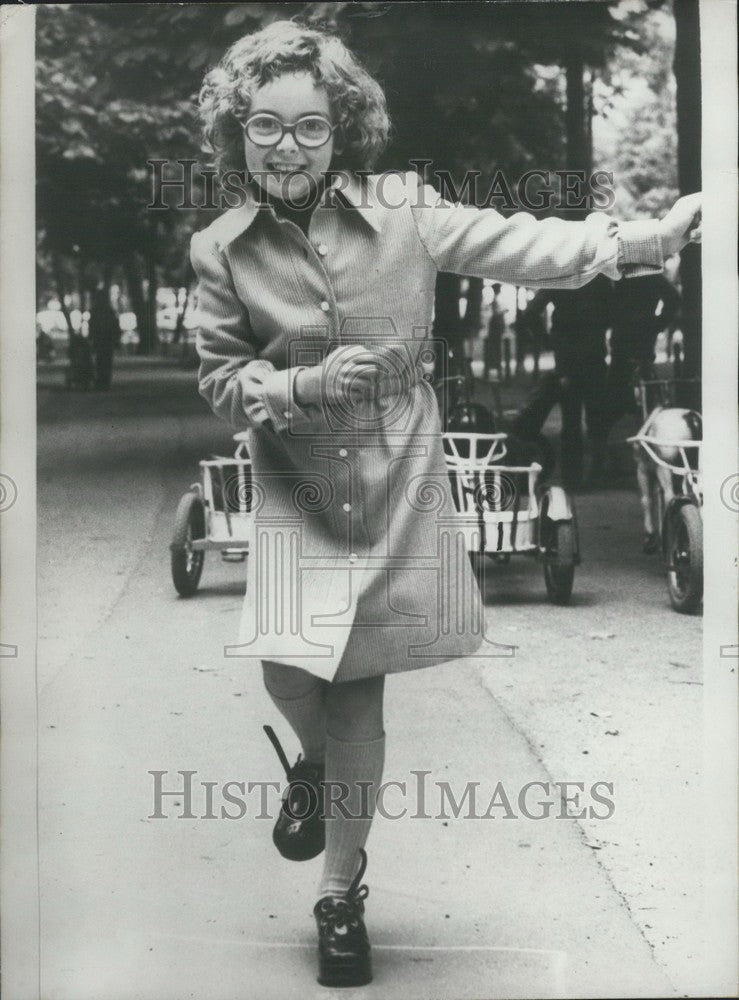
x: 244, y: 390
x: 523, y: 250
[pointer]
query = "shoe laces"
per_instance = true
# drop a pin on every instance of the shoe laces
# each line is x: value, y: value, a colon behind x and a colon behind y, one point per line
x: 272, y: 737
x: 302, y: 769
x: 356, y: 891
x: 303, y: 796
x: 344, y: 911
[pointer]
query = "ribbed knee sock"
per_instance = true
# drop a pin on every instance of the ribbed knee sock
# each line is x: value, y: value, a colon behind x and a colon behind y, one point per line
x: 349, y: 766
x: 307, y: 717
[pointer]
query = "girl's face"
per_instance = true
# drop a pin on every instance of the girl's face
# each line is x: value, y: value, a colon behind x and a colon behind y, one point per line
x: 286, y: 169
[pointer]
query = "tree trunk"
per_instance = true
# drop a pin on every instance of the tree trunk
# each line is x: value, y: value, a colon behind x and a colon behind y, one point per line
x: 578, y: 132
x: 579, y: 151
x: 138, y: 303
x: 82, y: 285
x: 187, y: 279
x: 147, y: 346
x: 61, y: 292
x: 687, y: 75
x: 474, y: 307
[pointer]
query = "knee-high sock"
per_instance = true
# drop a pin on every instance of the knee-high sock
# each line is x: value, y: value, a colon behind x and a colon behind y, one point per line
x: 356, y: 768
x: 307, y: 717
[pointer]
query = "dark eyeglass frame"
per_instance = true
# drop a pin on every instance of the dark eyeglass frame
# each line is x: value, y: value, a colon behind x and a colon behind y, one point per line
x: 289, y: 127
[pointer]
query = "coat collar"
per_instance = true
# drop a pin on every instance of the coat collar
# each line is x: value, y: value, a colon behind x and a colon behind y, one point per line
x: 345, y: 188
x: 360, y: 193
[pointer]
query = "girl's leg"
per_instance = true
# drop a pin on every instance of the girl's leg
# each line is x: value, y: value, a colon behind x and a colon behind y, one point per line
x: 355, y: 755
x: 300, y: 697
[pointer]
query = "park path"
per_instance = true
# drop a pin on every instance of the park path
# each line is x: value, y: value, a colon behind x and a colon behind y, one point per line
x: 132, y: 679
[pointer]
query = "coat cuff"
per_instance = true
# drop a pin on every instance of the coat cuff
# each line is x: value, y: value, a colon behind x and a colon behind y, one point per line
x: 639, y: 248
x: 279, y: 400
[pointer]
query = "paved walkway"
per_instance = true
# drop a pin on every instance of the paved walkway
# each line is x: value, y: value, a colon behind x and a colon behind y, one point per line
x: 133, y: 680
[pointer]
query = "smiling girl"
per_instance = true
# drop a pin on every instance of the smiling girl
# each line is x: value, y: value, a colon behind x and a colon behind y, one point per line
x: 315, y: 304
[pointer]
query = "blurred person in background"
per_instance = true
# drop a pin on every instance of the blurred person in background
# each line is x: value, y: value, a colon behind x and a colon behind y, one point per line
x: 531, y: 336
x: 579, y: 322
x: 104, y: 335
x: 642, y: 308
x: 496, y: 330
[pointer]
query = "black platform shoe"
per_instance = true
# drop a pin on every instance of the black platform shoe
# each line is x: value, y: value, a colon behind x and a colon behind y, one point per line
x: 299, y: 832
x: 344, y: 953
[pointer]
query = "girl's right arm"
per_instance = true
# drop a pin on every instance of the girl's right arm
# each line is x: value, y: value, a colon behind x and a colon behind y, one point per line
x: 242, y: 389
x: 247, y: 391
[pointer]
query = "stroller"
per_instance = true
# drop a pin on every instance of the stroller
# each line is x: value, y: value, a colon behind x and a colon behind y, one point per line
x: 667, y: 449
x: 496, y: 472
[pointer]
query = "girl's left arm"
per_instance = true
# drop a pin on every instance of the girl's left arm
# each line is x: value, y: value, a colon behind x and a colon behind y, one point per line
x: 549, y: 253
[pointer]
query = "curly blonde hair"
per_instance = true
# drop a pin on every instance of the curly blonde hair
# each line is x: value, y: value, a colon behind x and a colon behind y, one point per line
x: 357, y: 101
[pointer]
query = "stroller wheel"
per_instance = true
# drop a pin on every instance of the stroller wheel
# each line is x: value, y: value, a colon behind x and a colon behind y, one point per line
x: 186, y: 563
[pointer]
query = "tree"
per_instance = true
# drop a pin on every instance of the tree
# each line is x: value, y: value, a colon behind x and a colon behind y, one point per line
x: 464, y: 97
x: 580, y: 38
x: 103, y: 117
x: 688, y: 77
x: 117, y: 86
x: 93, y: 141
x: 635, y: 119
x: 655, y: 148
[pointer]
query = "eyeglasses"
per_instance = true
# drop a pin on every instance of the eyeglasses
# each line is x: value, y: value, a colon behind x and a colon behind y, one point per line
x: 310, y: 131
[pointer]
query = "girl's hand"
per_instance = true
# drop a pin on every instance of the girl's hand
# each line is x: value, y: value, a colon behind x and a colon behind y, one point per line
x: 682, y: 224
x: 348, y: 373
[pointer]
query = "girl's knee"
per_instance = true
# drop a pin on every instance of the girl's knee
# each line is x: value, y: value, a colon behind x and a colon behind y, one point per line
x: 355, y: 709
x: 284, y: 681
x: 367, y: 691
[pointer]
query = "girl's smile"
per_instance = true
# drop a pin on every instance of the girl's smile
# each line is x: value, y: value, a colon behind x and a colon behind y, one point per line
x: 288, y: 170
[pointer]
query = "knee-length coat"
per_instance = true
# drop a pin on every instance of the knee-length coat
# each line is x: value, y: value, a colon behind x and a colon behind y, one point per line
x: 357, y: 566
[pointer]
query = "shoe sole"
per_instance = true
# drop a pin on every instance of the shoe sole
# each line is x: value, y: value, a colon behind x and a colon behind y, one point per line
x: 315, y: 849
x: 345, y: 980
x: 345, y: 973
x: 298, y: 857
